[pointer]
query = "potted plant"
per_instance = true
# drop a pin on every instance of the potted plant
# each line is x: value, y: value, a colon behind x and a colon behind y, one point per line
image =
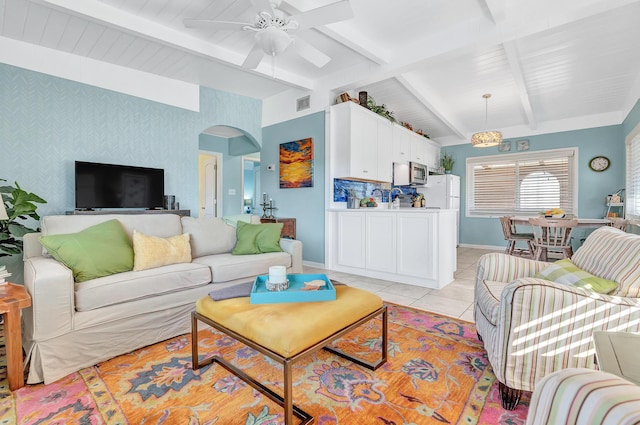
x: 19, y: 205
x: 447, y: 161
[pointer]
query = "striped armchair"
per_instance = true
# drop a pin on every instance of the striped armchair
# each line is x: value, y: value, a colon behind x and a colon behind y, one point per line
x: 584, y: 397
x: 532, y: 327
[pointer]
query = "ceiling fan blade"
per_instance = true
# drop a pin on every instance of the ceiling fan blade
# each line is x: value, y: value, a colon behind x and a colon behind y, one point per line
x: 310, y: 53
x: 324, y: 15
x: 254, y: 57
x: 217, y: 25
x: 263, y: 6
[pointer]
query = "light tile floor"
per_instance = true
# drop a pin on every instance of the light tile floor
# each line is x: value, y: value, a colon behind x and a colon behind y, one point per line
x: 454, y: 300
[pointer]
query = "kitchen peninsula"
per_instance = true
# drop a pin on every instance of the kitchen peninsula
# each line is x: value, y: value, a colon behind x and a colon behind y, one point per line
x: 416, y: 246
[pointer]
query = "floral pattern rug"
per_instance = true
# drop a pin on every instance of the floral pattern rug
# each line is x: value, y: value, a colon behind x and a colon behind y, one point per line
x: 437, y: 373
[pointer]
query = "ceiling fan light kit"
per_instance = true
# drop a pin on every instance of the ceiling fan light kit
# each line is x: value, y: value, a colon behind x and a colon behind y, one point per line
x: 485, y: 139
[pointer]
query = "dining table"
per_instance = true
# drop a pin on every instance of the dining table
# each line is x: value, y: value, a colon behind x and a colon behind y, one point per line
x: 582, y: 222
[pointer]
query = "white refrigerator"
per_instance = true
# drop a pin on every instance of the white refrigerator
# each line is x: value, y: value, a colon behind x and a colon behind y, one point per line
x: 443, y: 191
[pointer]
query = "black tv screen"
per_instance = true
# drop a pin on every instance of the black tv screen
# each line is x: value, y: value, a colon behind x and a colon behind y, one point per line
x: 118, y: 186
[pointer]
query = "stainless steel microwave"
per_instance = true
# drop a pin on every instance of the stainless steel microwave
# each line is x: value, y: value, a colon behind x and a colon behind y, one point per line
x: 418, y: 174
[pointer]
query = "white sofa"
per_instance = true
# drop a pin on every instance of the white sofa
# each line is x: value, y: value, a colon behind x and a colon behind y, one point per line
x: 75, y: 325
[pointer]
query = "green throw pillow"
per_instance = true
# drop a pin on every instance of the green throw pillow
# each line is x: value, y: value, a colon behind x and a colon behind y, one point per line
x: 257, y: 238
x: 566, y: 273
x: 94, y: 252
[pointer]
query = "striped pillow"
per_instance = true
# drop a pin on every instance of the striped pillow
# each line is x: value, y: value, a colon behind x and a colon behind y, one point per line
x: 566, y: 273
x: 612, y: 254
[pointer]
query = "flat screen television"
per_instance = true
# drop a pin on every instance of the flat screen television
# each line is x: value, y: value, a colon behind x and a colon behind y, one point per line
x: 118, y: 186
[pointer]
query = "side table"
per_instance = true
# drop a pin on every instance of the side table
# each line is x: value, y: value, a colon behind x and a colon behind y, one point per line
x: 617, y: 353
x: 13, y: 298
x: 288, y: 228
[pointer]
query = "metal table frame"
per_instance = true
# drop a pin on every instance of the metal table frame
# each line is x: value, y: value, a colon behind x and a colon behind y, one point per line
x: 285, y: 400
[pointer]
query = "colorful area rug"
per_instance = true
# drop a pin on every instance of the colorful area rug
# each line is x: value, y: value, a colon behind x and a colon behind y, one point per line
x: 437, y: 373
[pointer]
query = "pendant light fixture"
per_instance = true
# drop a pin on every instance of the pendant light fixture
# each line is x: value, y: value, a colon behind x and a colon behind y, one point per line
x: 485, y: 139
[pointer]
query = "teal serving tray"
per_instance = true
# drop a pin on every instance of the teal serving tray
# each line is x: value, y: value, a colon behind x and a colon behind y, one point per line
x: 294, y: 294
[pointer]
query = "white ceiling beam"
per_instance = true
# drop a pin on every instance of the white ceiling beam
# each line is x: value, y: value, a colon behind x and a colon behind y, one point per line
x: 437, y: 106
x: 496, y: 9
x: 116, y: 18
x: 343, y: 33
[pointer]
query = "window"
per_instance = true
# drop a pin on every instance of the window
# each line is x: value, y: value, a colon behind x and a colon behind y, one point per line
x: 522, y: 183
x: 632, y: 191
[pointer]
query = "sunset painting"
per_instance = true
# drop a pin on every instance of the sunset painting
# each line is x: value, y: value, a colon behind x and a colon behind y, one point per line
x: 296, y: 164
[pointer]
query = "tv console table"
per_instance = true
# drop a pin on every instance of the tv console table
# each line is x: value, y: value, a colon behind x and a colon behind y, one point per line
x: 183, y: 213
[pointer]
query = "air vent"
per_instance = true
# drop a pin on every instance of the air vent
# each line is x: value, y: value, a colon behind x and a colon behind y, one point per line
x: 303, y: 103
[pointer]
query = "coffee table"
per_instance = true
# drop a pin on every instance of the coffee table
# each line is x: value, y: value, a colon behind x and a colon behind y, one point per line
x: 292, y: 331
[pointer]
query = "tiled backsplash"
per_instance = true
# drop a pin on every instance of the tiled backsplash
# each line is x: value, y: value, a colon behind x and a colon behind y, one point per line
x: 364, y: 189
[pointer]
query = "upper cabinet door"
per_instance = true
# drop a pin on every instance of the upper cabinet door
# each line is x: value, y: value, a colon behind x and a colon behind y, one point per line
x: 385, y: 151
x: 364, y: 144
x: 400, y: 145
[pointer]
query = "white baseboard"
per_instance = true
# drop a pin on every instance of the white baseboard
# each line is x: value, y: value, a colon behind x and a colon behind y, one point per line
x: 313, y: 264
x: 491, y: 247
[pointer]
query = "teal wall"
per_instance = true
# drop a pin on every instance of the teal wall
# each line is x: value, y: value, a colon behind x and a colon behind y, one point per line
x: 306, y: 205
x: 632, y: 120
x: 46, y: 123
x: 592, y: 187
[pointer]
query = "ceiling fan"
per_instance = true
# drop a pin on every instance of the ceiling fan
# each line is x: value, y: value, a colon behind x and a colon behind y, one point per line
x: 272, y: 26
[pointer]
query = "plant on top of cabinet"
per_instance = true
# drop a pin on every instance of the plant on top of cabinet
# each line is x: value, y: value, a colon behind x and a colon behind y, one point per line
x: 447, y: 161
x: 380, y: 109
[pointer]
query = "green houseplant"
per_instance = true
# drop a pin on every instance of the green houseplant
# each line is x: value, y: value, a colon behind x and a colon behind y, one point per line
x: 447, y: 161
x: 20, y: 205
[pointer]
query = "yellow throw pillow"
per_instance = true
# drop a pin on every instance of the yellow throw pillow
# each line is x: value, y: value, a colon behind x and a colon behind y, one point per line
x: 152, y: 251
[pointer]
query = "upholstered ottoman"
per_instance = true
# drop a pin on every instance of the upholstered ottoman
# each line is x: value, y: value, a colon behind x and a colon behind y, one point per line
x: 286, y: 332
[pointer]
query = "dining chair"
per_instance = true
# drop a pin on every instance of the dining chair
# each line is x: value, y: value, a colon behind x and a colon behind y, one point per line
x: 512, y: 238
x: 552, y: 235
x: 618, y: 223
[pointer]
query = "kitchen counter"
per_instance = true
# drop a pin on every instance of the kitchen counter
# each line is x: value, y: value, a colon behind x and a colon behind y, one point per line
x: 416, y: 246
x: 385, y: 209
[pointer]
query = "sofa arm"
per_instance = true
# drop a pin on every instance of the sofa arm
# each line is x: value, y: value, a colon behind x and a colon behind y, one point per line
x: 294, y: 248
x: 544, y: 326
x: 51, y: 287
x: 506, y: 268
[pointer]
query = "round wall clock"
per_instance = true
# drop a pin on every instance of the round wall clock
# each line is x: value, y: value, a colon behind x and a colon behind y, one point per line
x: 599, y: 163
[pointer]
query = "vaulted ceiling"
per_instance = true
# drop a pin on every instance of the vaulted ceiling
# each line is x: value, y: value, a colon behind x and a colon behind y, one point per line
x: 550, y: 65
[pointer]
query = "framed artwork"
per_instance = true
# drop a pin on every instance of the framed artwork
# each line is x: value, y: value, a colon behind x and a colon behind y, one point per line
x: 504, y: 146
x: 523, y: 145
x: 296, y: 164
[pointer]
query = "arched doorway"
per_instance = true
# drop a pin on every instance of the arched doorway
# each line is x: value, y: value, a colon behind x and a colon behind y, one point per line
x: 220, y: 169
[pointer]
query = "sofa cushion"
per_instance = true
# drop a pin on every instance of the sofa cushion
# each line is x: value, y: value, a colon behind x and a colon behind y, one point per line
x: 225, y: 267
x: 152, y: 251
x: 257, y: 238
x: 130, y: 286
x: 96, y: 251
x: 612, y: 254
x: 488, y: 299
x: 566, y: 273
x: 209, y: 235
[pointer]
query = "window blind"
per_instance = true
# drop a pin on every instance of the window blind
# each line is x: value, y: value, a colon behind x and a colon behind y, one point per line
x: 632, y: 190
x: 522, y: 183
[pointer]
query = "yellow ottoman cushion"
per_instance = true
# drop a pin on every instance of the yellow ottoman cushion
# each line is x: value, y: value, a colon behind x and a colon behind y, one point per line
x: 289, y: 328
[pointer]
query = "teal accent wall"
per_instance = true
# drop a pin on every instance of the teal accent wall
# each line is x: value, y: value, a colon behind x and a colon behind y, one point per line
x: 592, y: 187
x: 306, y: 205
x: 46, y: 123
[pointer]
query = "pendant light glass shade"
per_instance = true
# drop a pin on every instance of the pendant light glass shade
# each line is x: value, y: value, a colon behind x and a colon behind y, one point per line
x: 485, y: 139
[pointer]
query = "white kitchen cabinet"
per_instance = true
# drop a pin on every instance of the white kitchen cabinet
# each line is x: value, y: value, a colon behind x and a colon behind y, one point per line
x: 401, y: 145
x: 351, y: 239
x: 380, y: 245
x: 414, y: 247
x: 415, y: 256
x: 432, y: 154
x: 385, y: 150
x: 360, y: 143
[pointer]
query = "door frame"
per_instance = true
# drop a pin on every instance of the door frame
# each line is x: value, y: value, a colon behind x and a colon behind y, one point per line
x: 219, y: 197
